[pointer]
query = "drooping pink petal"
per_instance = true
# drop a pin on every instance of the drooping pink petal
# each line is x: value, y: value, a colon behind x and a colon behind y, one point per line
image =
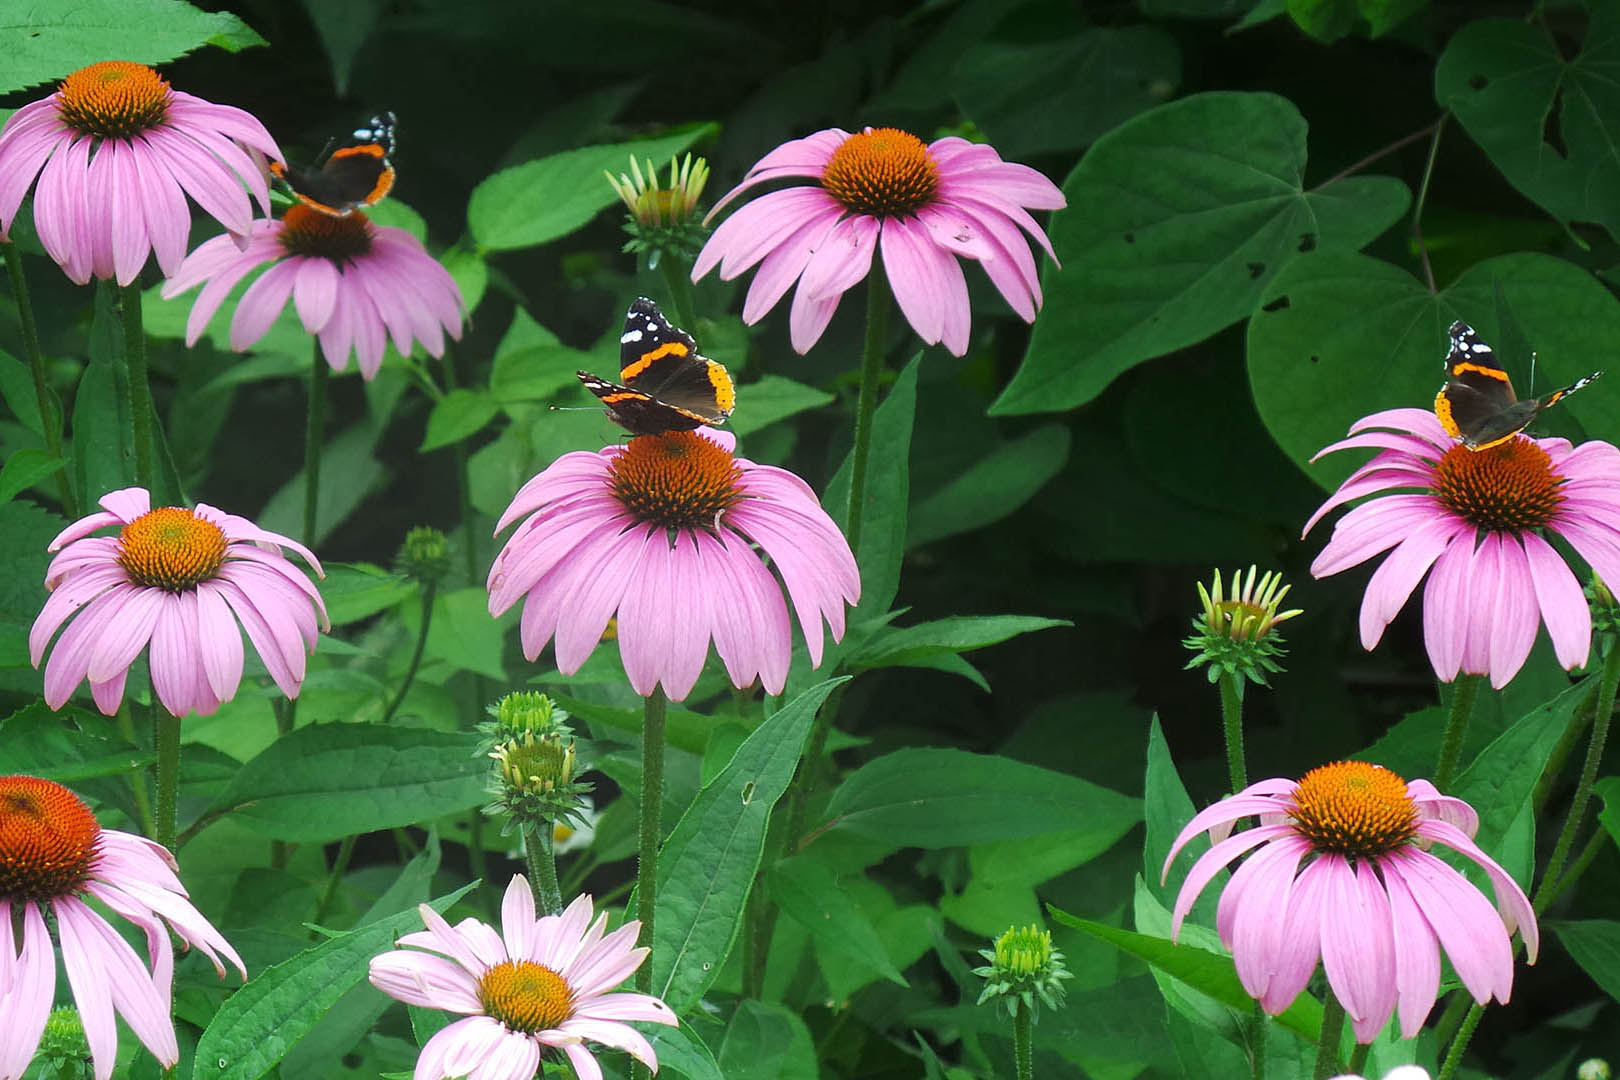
x: 1513, y: 626
x: 1446, y: 607
x: 1358, y: 947
x: 1417, y: 952
x: 913, y: 265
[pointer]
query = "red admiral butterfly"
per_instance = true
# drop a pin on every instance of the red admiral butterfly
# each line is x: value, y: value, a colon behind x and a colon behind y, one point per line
x: 667, y: 385
x: 1477, y: 404
x: 355, y: 175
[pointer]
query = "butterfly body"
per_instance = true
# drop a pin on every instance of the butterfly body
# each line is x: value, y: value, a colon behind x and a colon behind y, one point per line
x: 354, y: 176
x: 1477, y: 405
x: 664, y: 384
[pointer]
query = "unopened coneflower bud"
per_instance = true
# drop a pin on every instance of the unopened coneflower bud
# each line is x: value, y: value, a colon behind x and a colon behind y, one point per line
x: 424, y: 557
x: 1023, y: 969
x: 536, y: 761
x: 663, y: 217
x: 1592, y: 1069
x: 1236, y: 633
x: 1605, y: 611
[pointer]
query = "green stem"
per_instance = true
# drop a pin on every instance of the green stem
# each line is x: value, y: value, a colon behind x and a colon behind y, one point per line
x: 1327, y: 1049
x: 140, y: 390
x: 314, y: 438
x: 1232, y: 719
x: 137, y: 780
x: 1464, y: 691
x: 1583, y: 791
x: 542, y: 860
x: 50, y: 414
x: 652, y: 801
x: 1579, y: 718
x: 286, y: 711
x: 1260, y: 1025
x: 166, y: 734
x: 1358, y: 1058
x: 1595, y: 844
x: 1459, y: 1045
x: 680, y: 290
x: 340, y: 866
x: 429, y: 589
x: 877, y: 319
x: 1024, y: 1041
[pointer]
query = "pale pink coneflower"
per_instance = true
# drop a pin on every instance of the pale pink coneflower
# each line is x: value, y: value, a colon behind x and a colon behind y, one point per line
x: 1475, y: 522
x: 354, y: 284
x: 1342, y: 873
x: 116, y: 151
x: 540, y: 983
x: 56, y: 856
x: 882, y: 191
x: 670, y: 533
x: 182, y: 580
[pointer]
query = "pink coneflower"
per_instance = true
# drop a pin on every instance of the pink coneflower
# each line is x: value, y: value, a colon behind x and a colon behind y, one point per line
x: 354, y: 284
x: 1343, y: 873
x: 53, y: 855
x: 539, y: 983
x: 663, y: 532
x: 882, y: 188
x: 117, y: 151
x: 1477, y: 517
x: 182, y: 579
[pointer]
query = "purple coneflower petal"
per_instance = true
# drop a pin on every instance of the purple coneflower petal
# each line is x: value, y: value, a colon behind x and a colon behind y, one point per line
x: 1392, y: 583
x: 1516, y: 617
x: 1358, y: 947
x: 1417, y: 951
x: 1466, y: 925
x: 1246, y: 915
x: 30, y: 986
x: 913, y: 265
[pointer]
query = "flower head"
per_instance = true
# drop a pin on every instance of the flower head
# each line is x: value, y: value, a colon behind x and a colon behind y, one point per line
x: 535, y: 762
x: 53, y: 856
x: 355, y: 285
x: 424, y: 557
x: 538, y: 983
x: 183, y: 580
x: 1024, y: 971
x: 1475, y: 522
x: 670, y: 534
x: 1340, y: 871
x: 116, y: 151
x: 661, y: 217
x: 882, y: 189
x: 1238, y: 634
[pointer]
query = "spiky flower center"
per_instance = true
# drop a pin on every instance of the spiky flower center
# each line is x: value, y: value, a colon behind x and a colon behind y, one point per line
x: 884, y: 172
x: 1507, y: 488
x: 305, y: 231
x: 47, y: 839
x: 171, y: 548
x: 679, y: 480
x: 526, y: 996
x: 1354, y: 808
x: 113, y: 99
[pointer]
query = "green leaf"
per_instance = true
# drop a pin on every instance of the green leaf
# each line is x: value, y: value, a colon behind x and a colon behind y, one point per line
x: 1595, y: 945
x: 765, y: 1041
x: 909, y: 645
x: 1343, y: 335
x: 17, y: 389
x: 349, y: 471
x: 1608, y: 789
x: 260, y: 1022
x: 934, y: 797
x: 808, y: 892
x: 24, y: 469
x: 1551, y: 124
x: 1325, y: 20
x: 462, y: 633
x: 44, y: 40
x: 1087, y: 83
x: 1176, y: 222
x: 327, y: 781
x: 680, y: 1051
x: 343, y: 29
x: 1213, y: 975
x: 1167, y: 809
x: 888, y: 485
x: 541, y: 200
x: 354, y: 591
x: 770, y: 399
x: 103, y: 437
x: 67, y: 746
x: 709, y: 861
x: 457, y: 415
x: 992, y: 487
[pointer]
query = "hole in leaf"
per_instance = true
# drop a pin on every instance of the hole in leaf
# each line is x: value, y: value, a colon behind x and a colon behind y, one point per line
x: 1316, y: 359
x: 1478, y: 82
x: 1276, y: 305
x: 1255, y: 270
x: 1130, y: 238
x: 1307, y: 241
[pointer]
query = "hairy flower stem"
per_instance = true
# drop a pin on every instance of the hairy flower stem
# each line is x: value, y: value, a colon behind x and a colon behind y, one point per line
x: 1579, y: 718
x: 314, y: 438
x: 1259, y: 1029
x: 50, y: 412
x: 680, y: 290
x: 140, y: 390
x: 652, y: 802
x: 340, y: 866
x: 542, y: 861
x: 1024, y: 1041
x: 1583, y: 790
x: 1459, y: 1045
x: 166, y: 735
x: 1232, y: 718
x: 1464, y: 691
x: 1327, y: 1049
x: 429, y: 591
x: 877, y: 326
